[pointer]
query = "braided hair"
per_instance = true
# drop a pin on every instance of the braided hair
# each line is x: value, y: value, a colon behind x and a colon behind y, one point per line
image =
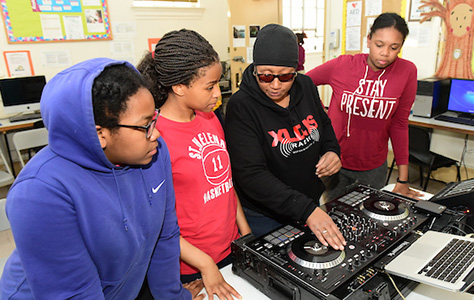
x: 111, y: 91
x: 179, y: 58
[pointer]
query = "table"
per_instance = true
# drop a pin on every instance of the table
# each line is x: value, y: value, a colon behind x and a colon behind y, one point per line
x: 457, y: 148
x: 421, y: 292
x: 6, y: 127
x: 442, y: 125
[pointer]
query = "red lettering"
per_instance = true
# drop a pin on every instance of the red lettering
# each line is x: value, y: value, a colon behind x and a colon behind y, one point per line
x: 299, y: 131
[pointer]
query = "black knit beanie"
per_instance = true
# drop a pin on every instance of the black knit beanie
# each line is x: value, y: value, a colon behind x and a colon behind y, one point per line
x: 275, y: 45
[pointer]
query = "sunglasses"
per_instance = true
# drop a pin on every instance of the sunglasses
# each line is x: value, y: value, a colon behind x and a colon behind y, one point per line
x: 267, y: 78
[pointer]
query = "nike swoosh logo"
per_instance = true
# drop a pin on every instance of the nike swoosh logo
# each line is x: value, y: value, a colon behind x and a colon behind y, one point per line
x: 154, y: 190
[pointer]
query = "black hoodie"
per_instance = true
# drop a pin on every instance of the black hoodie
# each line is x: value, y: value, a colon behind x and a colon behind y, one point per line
x: 274, y: 150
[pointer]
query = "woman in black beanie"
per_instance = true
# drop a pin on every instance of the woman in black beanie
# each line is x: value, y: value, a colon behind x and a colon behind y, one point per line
x: 281, y: 141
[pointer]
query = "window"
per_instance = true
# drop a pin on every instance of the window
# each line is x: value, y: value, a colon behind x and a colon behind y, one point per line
x: 307, y: 16
x: 166, y: 3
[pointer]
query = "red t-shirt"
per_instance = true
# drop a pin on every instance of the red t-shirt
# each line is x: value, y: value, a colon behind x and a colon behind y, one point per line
x: 367, y: 108
x: 206, y: 204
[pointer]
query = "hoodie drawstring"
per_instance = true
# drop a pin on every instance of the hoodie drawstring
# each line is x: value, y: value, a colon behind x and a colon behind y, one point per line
x: 149, y: 195
x: 361, y: 86
x: 147, y: 188
x: 124, y: 218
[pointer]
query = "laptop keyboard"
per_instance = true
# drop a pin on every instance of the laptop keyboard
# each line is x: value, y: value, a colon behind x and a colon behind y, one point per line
x: 458, y: 120
x: 449, y: 264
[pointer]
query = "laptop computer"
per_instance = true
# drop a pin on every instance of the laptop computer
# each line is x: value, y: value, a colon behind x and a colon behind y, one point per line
x: 428, y: 261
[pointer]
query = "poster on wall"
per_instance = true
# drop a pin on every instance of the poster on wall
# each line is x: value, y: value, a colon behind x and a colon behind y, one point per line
x: 18, y: 63
x: 33, y: 21
x: 56, y: 58
x: 253, y: 31
x: 238, y: 35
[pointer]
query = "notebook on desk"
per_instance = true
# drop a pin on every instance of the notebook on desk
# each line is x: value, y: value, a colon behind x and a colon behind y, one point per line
x: 437, y: 259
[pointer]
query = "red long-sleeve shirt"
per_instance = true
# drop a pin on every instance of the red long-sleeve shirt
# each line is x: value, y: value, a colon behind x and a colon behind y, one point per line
x: 367, y: 108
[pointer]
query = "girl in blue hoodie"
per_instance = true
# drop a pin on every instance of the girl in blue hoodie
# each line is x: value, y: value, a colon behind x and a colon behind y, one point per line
x: 94, y: 211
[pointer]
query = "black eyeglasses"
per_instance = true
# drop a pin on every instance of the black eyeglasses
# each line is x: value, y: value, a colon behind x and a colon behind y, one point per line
x: 267, y: 78
x: 148, y: 128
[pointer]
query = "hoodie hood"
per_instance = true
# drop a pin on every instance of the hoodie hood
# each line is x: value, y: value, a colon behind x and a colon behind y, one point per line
x: 66, y: 108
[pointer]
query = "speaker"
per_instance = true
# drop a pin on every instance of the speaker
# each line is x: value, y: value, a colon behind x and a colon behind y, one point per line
x: 432, y: 96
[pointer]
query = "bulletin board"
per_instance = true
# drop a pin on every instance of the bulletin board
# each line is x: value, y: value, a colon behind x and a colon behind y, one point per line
x: 396, y: 6
x: 31, y: 21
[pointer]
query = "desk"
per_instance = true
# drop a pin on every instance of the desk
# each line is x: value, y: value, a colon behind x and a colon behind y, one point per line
x: 435, y: 124
x: 6, y: 126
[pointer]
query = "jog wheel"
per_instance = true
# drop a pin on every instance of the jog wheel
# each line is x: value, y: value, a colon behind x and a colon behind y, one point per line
x: 309, y: 252
x: 384, y: 209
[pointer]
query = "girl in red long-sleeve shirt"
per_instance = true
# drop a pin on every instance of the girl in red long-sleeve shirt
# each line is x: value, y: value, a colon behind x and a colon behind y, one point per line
x: 371, y: 101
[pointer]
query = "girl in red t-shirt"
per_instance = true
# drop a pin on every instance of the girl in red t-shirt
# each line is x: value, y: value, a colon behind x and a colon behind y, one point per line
x: 185, y: 73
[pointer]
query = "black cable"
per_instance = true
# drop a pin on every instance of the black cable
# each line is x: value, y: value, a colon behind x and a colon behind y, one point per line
x: 454, y: 227
x: 464, y: 224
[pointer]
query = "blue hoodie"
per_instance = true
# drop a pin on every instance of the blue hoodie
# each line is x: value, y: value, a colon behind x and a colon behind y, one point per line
x: 83, y: 227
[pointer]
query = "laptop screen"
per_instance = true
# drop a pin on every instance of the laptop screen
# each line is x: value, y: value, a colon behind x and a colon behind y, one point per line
x: 461, y: 96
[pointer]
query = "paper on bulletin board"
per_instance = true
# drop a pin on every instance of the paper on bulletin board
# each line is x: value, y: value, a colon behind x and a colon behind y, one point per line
x: 91, y: 2
x: 94, y: 20
x: 54, y: 6
x: 353, y: 38
x: 18, y: 63
x: 238, y: 35
x: 51, y: 26
x: 73, y: 27
x: 354, y: 13
x: 373, y: 7
x: 40, y: 20
x: 368, y: 24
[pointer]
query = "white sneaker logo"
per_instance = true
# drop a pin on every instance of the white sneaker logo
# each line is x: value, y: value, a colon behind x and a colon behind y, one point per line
x: 154, y: 190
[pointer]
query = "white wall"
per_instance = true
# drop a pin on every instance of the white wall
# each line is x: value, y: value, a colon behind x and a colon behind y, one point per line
x: 210, y: 20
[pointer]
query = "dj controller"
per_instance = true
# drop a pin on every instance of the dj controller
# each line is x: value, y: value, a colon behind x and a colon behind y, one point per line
x: 291, y: 263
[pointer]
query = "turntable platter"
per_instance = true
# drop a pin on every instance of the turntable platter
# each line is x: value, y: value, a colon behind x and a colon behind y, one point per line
x: 384, y: 209
x: 310, y: 253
